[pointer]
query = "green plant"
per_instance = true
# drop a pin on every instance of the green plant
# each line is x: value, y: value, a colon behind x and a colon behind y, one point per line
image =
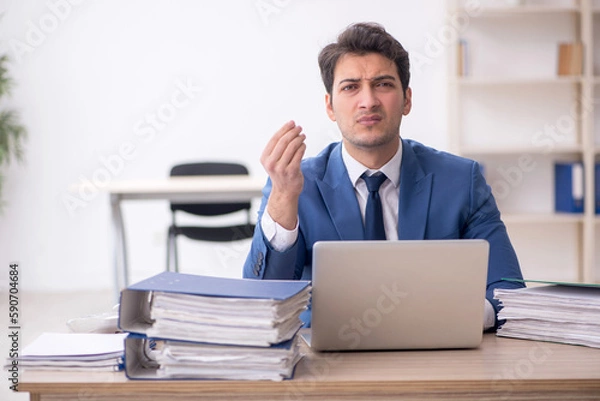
x: 12, y: 133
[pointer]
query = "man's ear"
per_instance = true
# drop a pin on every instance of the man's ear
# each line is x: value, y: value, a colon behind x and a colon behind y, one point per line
x: 407, y: 101
x: 329, y: 107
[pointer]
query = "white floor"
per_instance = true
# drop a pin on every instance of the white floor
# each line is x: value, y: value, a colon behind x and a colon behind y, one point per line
x: 46, y: 312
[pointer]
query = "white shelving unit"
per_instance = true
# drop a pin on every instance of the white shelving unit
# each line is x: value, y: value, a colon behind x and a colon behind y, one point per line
x: 517, y: 117
x: 593, y: 66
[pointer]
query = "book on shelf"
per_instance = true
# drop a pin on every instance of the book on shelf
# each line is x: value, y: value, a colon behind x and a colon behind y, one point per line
x: 568, y: 187
x: 570, y: 59
x: 203, y: 315
x: 552, y: 311
x: 90, y: 352
x: 597, y: 187
x: 463, y: 58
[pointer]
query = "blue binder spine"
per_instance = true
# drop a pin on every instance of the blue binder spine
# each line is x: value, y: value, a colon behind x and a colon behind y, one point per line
x: 569, y: 187
x: 597, y: 187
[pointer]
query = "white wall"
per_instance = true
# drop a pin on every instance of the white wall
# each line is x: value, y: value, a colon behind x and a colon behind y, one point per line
x: 90, y: 74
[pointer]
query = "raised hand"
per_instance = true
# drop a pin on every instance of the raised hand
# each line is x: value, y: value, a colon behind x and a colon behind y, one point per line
x: 281, y: 159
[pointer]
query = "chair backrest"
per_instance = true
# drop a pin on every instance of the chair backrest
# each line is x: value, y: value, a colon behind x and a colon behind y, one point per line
x: 209, y: 168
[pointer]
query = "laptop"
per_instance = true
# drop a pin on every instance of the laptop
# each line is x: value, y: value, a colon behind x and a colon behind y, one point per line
x: 396, y: 295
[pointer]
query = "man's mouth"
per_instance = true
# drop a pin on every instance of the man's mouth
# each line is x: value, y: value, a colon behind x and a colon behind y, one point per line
x: 369, y: 120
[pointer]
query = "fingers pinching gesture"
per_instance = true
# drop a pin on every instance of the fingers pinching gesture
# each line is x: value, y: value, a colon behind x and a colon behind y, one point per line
x: 281, y: 159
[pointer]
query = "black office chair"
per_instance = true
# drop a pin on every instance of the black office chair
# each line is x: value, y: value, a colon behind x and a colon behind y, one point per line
x: 207, y: 233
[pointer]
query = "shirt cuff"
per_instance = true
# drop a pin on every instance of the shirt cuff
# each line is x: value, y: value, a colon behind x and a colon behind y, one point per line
x: 489, y: 316
x: 279, y: 238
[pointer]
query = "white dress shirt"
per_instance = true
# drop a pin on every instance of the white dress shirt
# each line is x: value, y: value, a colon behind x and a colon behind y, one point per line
x: 282, y: 239
x: 388, y: 191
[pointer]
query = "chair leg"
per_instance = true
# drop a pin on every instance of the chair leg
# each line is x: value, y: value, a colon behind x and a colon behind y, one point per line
x: 175, y: 253
x: 171, y: 251
x: 168, y: 264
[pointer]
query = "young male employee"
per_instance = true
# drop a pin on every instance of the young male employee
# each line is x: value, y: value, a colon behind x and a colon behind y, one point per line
x: 373, y: 184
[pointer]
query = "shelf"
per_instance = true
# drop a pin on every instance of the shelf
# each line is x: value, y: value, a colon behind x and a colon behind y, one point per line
x: 551, y: 218
x: 506, y: 114
x: 521, y: 10
x: 519, y: 149
x: 503, y: 81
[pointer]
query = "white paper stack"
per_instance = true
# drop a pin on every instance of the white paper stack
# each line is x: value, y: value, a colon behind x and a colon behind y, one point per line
x: 73, y: 351
x: 237, y: 321
x: 188, y: 360
x: 559, y: 313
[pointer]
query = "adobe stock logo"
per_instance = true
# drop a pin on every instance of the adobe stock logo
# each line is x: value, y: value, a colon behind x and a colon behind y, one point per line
x: 521, y: 369
x: 267, y: 8
x: 360, y: 327
x: 37, y: 32
x: 438, y: 43
x: 145, y: 131
x: 546, y: 140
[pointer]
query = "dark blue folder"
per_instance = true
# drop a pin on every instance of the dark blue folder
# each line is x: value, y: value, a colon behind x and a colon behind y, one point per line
x: 139, y: 365
x: 568, y: 187
x: 597, y: 187
x: 220, y: 286
x: 134, y: 308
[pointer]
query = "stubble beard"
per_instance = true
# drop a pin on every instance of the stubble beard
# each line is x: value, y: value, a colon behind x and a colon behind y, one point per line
x: 371, y: 142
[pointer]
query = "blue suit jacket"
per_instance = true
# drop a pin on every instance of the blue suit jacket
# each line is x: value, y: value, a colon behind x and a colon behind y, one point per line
x: 442, y: 196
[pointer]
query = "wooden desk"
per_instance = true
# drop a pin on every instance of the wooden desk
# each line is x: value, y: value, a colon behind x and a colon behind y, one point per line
x: 501, y: 369
x: 195, y: 189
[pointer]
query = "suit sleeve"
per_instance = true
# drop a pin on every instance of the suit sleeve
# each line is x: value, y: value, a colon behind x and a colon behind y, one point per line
x: 484, y: 222
x: 263, y: 261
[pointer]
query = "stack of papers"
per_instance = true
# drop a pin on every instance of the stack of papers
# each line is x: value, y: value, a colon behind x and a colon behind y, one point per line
x: 74, y: 351
x: 198, y: 327
x: 238, y: 321
x: 566, y: 313
x: 189, y: 360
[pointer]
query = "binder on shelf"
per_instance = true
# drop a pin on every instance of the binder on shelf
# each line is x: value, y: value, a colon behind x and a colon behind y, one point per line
x: 463, y: 58
x: 160, y: 359
x: 597, y: 187
x: 568, y: 187
x: 214, y: 309
x: 570, y: 58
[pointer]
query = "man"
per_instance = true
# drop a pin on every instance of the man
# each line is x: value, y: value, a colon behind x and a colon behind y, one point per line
x: 425, y: 194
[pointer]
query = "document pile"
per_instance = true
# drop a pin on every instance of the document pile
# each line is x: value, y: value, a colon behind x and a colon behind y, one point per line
x: 198, y: 327
x: 560, y: 312
x: 73, y: 351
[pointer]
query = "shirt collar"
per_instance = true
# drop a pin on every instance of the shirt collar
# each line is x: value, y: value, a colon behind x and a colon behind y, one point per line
x: 391, y: 169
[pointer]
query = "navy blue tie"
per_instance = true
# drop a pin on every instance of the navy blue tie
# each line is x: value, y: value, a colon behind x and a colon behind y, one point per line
x: 374, y: 229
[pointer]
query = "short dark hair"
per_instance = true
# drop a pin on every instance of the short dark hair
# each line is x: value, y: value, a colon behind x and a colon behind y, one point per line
x: 361, y: 39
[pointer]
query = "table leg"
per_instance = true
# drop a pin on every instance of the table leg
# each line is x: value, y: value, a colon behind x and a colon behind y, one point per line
x: 119, y: 245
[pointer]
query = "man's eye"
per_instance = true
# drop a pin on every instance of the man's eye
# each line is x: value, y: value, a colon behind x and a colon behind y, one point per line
x: 348, y: 87
x: 385, y: 84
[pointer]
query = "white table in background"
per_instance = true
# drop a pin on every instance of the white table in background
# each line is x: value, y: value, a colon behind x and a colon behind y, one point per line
x: 192, y: 189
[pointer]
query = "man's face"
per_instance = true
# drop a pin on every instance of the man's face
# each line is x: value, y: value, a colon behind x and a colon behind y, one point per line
x: 367, y: 102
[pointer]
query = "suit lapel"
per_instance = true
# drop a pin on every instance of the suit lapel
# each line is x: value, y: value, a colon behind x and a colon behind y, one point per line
x: 339, y: 197
x: 415, y: 194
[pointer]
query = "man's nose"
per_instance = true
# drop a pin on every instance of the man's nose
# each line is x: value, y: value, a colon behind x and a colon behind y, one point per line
x: 368, y: 98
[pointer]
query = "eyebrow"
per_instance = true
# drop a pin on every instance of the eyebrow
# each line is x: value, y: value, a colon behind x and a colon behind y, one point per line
x: 377, y: 78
